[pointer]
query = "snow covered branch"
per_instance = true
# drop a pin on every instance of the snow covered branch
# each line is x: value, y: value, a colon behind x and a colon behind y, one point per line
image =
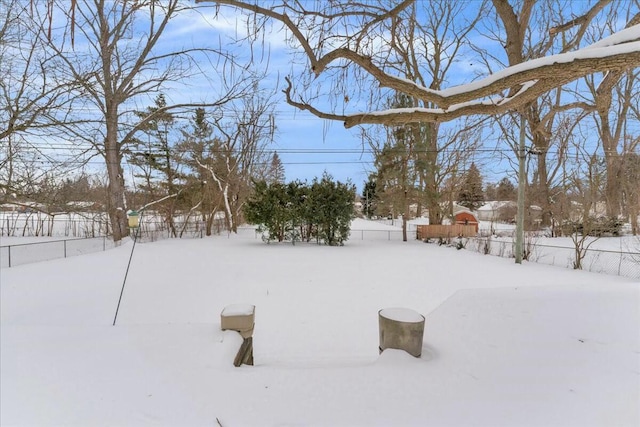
x: 328, y: 49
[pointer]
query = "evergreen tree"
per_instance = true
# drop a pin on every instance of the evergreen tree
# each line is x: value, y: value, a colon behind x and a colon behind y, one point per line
x: 471, y: 194
x: 506, y: 190
x: 152, y: 153
x: 296, y: 211
x: 269, y: 208
x: 491, y: 191
x: 332, y: 207
x: 197, y: 144
x: 369, y: 197
x: 276, y: 170
x: 400, y: 165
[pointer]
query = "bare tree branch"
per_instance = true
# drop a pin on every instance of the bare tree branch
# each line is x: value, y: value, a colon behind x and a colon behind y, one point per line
x: 530, y: 79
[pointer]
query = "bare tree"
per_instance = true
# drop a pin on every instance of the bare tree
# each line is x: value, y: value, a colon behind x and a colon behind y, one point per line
x: 114, y: 55
x: 614, y: 97
x: 33, y: 99
x: 534, y: 30
x: 32, y: 95
x: 587, y: 183
x: 240, y: 148
x: 549, y: 116
x: 230, y: 156
x: 425, y: 51
x: 630, y: 182
x: 611, y: 92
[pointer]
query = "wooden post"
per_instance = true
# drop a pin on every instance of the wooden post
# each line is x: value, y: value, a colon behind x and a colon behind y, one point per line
x: 240, y: 318
x: 245, y: 354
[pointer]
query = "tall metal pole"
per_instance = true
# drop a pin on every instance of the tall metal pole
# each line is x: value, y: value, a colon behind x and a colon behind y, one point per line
x: 521, y: 185
x: 126, y: 273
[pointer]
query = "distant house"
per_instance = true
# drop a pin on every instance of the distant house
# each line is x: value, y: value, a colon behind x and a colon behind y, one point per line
x: 497, y: 211
x: 506, y: 211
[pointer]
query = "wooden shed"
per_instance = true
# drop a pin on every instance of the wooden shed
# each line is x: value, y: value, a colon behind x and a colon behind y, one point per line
x: 466, y: 218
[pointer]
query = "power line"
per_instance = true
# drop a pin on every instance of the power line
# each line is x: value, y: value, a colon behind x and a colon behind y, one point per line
x: 319, y: 150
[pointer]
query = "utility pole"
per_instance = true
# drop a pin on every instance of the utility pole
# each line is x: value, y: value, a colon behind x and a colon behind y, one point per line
x: 521, y: 185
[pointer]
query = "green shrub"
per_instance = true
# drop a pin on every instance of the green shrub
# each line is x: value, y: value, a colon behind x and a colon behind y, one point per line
x: 297, y: 211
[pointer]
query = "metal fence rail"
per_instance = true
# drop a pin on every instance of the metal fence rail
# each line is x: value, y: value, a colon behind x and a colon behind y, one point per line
x: 152, y: 231
x: 25, y: 253
x: 380, y: 235
x: 620, y: 263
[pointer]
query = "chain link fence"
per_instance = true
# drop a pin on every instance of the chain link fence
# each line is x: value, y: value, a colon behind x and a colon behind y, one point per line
x: 624, y: 263
x: 378, y: 235
x: 25, y: 253
x: 30, y: 224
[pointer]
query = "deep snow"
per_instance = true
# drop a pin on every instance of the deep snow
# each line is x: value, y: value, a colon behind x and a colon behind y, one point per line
x: 504, y: 345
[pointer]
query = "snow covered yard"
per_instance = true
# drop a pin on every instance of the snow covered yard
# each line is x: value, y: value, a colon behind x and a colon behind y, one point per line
x: 504, y: 345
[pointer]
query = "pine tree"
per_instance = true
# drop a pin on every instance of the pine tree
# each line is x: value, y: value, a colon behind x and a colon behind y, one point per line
x: 471, y: 194
x: 400, y: 165
x: 276, y: 170
x: 154, y: 155
x: 369, y: 197
x: 506, y: 190
x: 197, y: 143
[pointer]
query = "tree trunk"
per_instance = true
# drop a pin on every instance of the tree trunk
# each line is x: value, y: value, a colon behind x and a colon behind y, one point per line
x: 227, y: 207
x: 543, y: 193
x: 116, y: 189
x: 209, y: 222
x: 613, y: 186
x: 541, y: 142
x: 431, y: 177
x: 634, y: 212
x: 405, y: 216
